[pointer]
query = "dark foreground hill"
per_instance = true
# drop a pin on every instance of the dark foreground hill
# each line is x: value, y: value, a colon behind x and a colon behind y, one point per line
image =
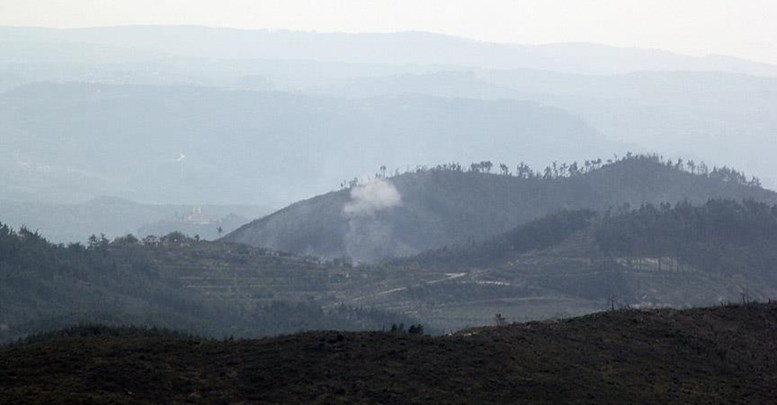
x: 715, y: 355
x: 447, y: 205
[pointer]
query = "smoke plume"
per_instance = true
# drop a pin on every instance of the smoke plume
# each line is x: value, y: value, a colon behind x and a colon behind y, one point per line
x: 370, y: 237
x: 369, y: 198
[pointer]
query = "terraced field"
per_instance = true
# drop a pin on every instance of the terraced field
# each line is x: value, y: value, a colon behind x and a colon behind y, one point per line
x: 568, y: 279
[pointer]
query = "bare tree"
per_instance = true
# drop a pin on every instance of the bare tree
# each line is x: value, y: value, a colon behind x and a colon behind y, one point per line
x: 500, y: 320
x: 611, y: 300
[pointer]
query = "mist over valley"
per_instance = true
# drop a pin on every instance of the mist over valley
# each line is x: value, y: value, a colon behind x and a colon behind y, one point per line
x: 203, y: 212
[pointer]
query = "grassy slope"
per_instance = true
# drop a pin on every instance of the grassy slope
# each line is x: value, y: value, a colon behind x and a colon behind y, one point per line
x: 714, y: 355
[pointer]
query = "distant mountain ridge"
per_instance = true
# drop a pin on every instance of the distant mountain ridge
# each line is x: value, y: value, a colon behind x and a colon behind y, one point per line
x: 112, y: 216
x: 718, y: 109
x: 184, y: 144
x: 445, y: 207
x: 410, y: 47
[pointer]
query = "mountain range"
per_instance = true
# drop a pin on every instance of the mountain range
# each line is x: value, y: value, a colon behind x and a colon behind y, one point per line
x: 621, y: 250
x: 170, y: 89
x: 142, y: 255
x: 189, y: 144
x: 402, y: 48
x: 116, y: 217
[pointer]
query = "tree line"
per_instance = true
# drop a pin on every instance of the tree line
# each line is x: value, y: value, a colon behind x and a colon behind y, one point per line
x: 557, y: 170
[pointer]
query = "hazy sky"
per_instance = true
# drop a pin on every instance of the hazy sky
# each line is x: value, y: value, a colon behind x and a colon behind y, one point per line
x: 745, y: 28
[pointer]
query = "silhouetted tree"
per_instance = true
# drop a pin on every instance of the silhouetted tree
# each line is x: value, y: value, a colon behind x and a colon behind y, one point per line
x: 500, y: 320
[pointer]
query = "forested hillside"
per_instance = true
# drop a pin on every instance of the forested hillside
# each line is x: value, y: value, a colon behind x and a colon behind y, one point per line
x: 568, y: 263
x: 723, y: 237
x: 177, y: 282
x: 573, y: 262
x: 451, y: 204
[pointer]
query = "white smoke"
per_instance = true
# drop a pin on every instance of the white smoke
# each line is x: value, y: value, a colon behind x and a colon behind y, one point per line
x: 367, y: 199
x: 370, y: 237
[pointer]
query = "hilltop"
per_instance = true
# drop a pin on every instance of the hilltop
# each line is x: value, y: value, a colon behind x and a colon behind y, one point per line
x: 713, y: 355
x: 450, y: 205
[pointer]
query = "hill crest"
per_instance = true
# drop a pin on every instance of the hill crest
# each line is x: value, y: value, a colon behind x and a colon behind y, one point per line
x: 449, y: 204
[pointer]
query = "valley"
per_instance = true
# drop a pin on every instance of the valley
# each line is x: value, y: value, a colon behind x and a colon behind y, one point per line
x: 567, y: 263
x: 393, y: 202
